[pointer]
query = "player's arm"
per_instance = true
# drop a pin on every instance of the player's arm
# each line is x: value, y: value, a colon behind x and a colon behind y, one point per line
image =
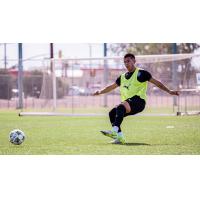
x: 163, y: 87
x: 106, y: 89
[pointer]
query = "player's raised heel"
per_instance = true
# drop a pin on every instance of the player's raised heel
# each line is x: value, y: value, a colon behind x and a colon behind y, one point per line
x: 111, y: 134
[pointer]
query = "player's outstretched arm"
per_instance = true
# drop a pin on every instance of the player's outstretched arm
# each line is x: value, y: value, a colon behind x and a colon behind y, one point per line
x: 163, y: 87
x: 106, y: 89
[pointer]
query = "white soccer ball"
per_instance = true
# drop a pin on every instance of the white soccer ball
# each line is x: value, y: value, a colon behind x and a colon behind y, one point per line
x: 16, y: 137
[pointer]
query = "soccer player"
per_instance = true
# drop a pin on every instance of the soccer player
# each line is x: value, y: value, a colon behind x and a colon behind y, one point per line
x: 133, y: 87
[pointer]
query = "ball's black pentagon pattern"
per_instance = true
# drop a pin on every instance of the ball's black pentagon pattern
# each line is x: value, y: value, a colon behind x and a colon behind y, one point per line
x: 16, y: 137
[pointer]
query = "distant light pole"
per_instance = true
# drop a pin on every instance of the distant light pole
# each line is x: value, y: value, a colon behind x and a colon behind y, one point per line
x: 52, y: 63
x: 51, y: 54
x: 174, y: 73
x: 5, y: 55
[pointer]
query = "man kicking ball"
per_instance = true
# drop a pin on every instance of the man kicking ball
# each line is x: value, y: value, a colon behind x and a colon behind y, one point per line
x: 133, y: 88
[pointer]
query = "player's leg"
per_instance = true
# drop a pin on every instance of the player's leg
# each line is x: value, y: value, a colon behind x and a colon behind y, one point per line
x: 116, y: 117
x: 112, y: 116
x: 111, y: 133
x: 132, y: 106
x: 136, y: 104
x: 121, y: 111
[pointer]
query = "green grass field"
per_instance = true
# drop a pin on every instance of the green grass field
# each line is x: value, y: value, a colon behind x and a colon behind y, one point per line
x: 81, y: 136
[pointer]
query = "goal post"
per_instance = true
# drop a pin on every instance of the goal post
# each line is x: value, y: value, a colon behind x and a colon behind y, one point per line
x: 189, y: 102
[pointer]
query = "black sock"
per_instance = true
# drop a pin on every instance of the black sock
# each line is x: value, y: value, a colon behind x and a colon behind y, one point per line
x: 112, y: 116
x: 120, y: 112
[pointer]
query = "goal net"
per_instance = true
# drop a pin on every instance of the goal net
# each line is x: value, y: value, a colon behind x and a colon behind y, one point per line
x: 65, y: 86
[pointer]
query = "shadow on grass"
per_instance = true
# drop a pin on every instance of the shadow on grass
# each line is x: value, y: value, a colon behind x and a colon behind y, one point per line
x: 135, y: 144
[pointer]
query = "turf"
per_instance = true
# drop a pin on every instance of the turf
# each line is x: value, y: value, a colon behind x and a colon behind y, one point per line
x: 154, y: 135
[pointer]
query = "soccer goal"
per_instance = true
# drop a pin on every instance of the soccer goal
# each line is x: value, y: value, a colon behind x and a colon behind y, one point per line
x: 64, y: 86
x: 189, y: 102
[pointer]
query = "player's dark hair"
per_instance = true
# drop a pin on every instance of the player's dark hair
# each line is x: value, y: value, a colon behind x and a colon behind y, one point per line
x: 129, y: 55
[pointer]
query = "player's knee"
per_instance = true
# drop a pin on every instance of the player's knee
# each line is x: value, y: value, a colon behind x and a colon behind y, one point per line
x: 127, y: 106
x: 121, y: 109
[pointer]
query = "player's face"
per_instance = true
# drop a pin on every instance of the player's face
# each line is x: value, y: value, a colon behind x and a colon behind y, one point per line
x: 129, y: 63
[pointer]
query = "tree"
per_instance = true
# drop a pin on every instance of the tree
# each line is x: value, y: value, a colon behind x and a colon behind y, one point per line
x: 150, y: 48
x: 187, y: 47
x: 139, y: 48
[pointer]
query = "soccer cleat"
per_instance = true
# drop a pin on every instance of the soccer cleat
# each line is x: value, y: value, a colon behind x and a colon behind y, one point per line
x: 118, y: 141
x: 111, y: 134
x: 115, y: 141
x: 121, y: 139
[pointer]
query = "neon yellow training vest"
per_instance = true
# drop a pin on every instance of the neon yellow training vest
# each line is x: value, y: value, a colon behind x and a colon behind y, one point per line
x: 131, y: 87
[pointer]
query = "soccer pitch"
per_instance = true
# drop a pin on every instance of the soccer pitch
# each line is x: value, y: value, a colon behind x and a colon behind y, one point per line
x: 145, y: 135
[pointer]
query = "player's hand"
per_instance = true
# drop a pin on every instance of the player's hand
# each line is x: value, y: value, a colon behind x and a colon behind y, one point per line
x: 174, y: 92
x: 96, y: 93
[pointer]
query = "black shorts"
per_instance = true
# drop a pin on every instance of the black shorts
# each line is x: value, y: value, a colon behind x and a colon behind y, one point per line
x: 137, y: 105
